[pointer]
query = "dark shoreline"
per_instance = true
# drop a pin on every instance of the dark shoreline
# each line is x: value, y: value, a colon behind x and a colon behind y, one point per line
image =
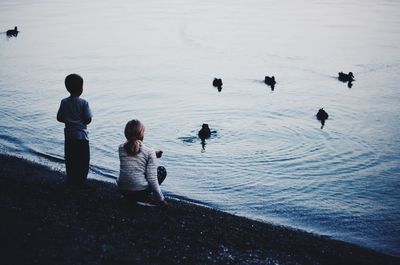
x: 45, y: 222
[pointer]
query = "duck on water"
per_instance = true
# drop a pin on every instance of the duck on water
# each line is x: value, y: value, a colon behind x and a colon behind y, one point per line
x: 322, y: 115
x: 349, y: 78
x: 270, y: 81
x: 217, y: 82
x: 346, y: 77
x: 12, y: 32
x: 204, y: 132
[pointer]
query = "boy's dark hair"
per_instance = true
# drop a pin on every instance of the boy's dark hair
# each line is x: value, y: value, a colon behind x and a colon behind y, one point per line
x: 74, y: 83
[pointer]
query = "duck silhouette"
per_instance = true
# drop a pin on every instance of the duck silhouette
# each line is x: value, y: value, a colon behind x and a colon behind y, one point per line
x: 270, y: 81
x: 218, y: 83
x: 322, y: 115
x: 346, y: 77
x: 12, y: 32
x: 204, y: 132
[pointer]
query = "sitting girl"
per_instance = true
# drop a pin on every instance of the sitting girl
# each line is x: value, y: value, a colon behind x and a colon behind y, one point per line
x: 138, y: 180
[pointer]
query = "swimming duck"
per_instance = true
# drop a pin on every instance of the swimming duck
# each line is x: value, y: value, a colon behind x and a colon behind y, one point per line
x: 12, y: 32
x: 346, y: 77
x: 270, y: 81
x: 218, y: 83
x: 322, y: 115
x: 205, y: 132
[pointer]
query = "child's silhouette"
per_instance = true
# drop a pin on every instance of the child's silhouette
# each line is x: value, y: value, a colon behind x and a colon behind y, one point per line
x: 139, y: 178
x: 76, y: 114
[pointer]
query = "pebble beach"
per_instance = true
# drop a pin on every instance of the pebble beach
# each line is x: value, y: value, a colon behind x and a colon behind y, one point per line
x: 45, y: 222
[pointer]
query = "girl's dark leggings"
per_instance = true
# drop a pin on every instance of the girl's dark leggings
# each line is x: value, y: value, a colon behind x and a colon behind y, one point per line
x: 145, y: 195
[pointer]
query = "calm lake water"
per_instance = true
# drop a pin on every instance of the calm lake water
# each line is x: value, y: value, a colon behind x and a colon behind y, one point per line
x: 269, y: 159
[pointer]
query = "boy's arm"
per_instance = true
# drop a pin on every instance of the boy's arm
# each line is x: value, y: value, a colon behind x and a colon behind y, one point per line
x: 60, y: 116
x: 87, y: 114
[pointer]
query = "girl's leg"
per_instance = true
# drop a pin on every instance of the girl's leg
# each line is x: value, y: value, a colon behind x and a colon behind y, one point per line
x: 135, y: 196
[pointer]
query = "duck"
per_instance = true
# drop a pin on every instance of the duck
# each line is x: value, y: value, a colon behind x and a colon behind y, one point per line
x: 322, y: 115
x: 346, y: 77
x: 12, y: 32
x: 217, y: 82
x: 204, y: 132
x: 270, y: 81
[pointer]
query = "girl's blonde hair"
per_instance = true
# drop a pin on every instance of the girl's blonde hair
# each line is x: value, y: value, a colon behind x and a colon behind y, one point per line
x: 134, y: 133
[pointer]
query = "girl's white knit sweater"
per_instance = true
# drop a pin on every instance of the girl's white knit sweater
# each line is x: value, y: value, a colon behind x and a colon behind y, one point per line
x: 139, y: 172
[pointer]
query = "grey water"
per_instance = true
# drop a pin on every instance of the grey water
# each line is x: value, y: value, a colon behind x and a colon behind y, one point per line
x: 268, y: 159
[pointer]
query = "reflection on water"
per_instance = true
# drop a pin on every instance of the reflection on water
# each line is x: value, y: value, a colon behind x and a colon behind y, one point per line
x: 270, y: 160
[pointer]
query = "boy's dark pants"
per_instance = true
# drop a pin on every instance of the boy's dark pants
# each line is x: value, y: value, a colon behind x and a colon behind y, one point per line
x: 77, y: 156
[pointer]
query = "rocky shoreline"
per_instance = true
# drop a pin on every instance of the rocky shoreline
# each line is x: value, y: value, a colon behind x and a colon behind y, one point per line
x: 45, y: 222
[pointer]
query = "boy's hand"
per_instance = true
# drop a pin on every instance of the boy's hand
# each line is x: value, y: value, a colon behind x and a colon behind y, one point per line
x: 159, y: 153
x: 87, y: 121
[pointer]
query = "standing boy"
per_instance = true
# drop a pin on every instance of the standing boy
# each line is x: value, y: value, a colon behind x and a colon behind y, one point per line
x: 76, y: 114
